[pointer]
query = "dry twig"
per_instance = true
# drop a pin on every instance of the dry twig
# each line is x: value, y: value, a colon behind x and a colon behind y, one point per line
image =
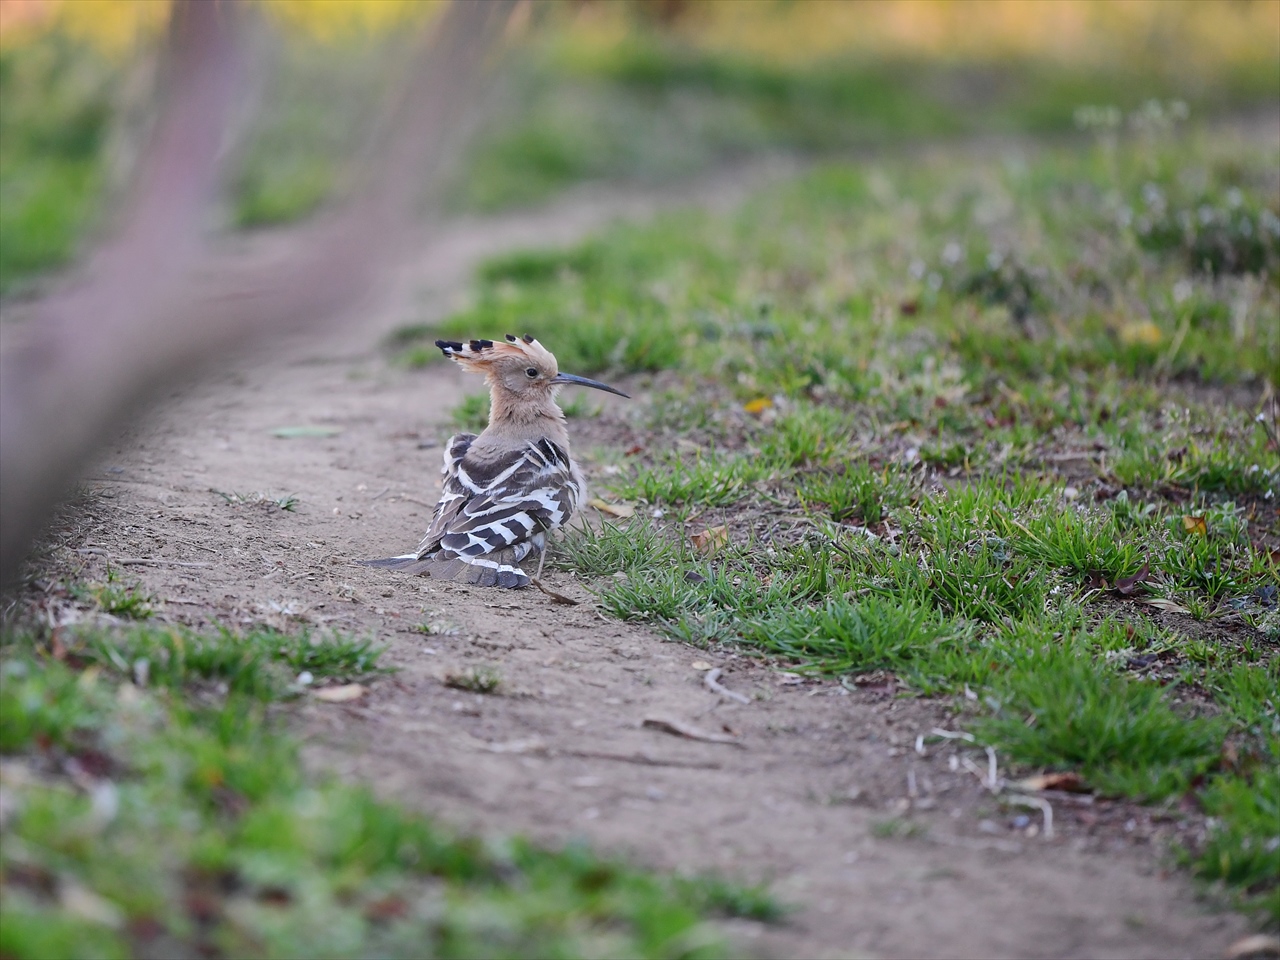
x: 681, y: 729
x: 711, y: 680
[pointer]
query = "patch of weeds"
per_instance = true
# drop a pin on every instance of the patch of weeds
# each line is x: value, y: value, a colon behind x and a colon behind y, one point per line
x: 259, y: 664
x: 1005, y: 282
x: 414, y: 345
x: 946, y: 456
x: 1242, y: 848
x: 43, y: 704
x: 612, y: 548
x: 872, y: 633
x: 483, y: 679
x: 982, y: 581
x: 540, y: 266
x: 1249, y: 695
x: 56, y: 102
x: 1222, y: 235
x: 439, y: 628
x: 708, y: 480
x: 897, y: 828
x: 198, y: 828
x: 717, y: 895
x: 287, y: 502
x: 472, y: 414
x: 579, y: 406
x: 1071, y: 539
x: 693, y: 600
x: 118, y: 599
x: 858, y: 492
x: 806, y: 435
x: 1059, y: 709
x: 326, y: 656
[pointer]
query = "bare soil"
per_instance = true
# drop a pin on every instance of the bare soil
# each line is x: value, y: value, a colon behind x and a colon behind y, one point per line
x: 884, y: 851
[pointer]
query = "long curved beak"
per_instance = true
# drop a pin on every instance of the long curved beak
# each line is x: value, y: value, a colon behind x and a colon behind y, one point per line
x: 584, y: 382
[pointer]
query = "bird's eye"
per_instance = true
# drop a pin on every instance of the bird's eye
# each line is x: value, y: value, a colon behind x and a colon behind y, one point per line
x: 531, y: 372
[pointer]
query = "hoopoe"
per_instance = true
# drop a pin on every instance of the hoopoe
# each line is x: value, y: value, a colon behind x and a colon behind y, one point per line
x: 508, y: 488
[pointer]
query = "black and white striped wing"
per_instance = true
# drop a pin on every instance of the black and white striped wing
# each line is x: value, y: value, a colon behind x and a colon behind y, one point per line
x: 458, y: 489
x: 493, y: 513
x: 506, y: 503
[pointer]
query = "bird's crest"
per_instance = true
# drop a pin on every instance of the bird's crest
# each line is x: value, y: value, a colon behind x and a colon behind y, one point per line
x: 477, y: 356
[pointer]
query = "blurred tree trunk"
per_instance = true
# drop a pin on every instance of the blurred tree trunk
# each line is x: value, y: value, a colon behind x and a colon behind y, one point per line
x: 157, y: 302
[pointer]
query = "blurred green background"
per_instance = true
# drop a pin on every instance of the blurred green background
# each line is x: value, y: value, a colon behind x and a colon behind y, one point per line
x: 647, y: 90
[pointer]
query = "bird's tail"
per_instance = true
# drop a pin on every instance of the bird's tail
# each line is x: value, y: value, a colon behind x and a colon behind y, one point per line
x: 498, y: 569
x: 409, y: 563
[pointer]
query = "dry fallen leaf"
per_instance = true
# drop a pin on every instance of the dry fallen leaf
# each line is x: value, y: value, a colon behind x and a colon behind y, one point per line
x: 1069, y: 782
x: 1253, y: 947
x: 1169, y: 606
x: 1127, y: 585
x: 710, y: 540
x: 1195, y: 525
x: 343, y: 694
x: 758, y: 405
x: 700, y: 665
x: 1145, y: 333
x: 621, y: 510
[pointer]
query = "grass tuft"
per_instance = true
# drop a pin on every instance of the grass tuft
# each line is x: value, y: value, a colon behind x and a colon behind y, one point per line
x: 197, y: 827
x: 1059, y: 710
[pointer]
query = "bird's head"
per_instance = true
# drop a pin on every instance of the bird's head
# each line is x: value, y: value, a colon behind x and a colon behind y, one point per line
x: 519, y: 367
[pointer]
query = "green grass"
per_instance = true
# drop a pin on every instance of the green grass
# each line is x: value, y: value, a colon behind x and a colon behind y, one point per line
x: 1242, y: 851
x: 262, y: 663
x: 127, y: 601
x: 968, y: 423
x: 652, y: 107
x: 472, y: 414
x: 1122, y: 734
x: 56, y: 102
x: 891, y: 307
x: 191, y: 827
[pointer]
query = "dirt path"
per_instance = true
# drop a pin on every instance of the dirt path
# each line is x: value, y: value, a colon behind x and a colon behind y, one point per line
x: 817, y: 795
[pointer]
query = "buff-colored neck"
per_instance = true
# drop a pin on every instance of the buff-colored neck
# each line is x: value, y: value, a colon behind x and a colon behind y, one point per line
x: 520, y: 418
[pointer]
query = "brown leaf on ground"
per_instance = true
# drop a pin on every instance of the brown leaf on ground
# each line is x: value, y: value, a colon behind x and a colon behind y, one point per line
x: 623, y: 511
x: 1230, y: 758
x: 343, y: 694
x: 1163, y: 603
x: 1068, y: 782
x: 386, y: 909
x: 1260, y: 946
x: 1196, y: 526
x: 275, y: 896
x: 1126, y: 586
x: 710, y: 540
